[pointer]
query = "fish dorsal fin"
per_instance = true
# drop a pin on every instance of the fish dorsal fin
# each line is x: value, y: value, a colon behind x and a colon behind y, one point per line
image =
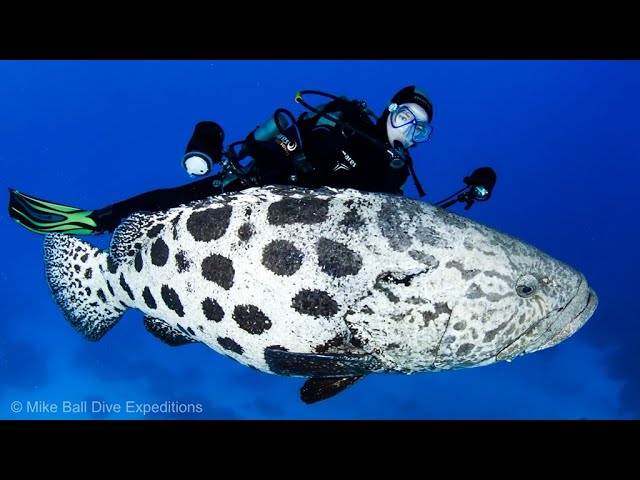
x: 165, y: 332
x: 317, y: 389
x: 297, y: 364
x: 128, y: 236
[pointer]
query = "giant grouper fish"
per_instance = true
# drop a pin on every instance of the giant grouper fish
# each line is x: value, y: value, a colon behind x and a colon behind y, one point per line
x: 330, y: 285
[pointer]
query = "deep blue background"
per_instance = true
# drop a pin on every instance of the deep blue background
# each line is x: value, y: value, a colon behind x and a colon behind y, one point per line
x: 562, y: 136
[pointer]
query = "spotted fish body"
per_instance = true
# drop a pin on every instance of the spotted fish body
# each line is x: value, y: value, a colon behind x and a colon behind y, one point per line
x: 327, y: 284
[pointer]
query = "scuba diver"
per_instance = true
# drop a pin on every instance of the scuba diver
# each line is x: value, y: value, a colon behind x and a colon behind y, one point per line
x: 341, y: 144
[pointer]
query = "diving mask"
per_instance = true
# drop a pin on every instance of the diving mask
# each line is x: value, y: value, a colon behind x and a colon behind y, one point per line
x: 409, y: 124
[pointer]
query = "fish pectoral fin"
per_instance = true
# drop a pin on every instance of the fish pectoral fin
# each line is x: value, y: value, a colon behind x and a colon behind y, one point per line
x: 296, y: 364
x: 317, y: 389
x: 165, y: 332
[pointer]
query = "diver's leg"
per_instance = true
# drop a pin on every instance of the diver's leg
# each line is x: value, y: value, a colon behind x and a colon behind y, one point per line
x: 109, y: 217
x: 43, y: 216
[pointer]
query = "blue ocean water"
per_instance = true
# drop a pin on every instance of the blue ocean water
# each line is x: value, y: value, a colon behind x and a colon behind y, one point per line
x: 561, y: 135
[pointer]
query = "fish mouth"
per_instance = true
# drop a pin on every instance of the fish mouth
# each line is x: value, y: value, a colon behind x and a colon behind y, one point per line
x: 570, y: 319
x: 559, y: 326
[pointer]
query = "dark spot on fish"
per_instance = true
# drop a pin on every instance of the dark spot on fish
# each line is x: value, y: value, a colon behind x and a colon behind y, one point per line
x: 110, y: 265
x: 172, y: 300
x: 155, y: 230
x: 182, y: 264
x: 190, y: 330
x: 159, y: 252
x: 316, y: 303
x: 125, y: 286
x: 174, y: 226
x: 460, y: 325
x: 209, y: 224
x: 247, y: 211
x: 336, y: 259
x: 148, y: 298
x: 474, y: 291
x: 84, y: 257
x: 212, y: 310
x: 307, y: 210
x: 424, y: 258
x: 218, y: 269
x: 76, y: 267
x: 367, y: 310
x: 439, y: 309
x: 417, y: 300
x: 245, y: 232
x: 449, y: 218
x: 464, y: 349
x: 251, y: 319
x: 138, y: 261
x: 331, y: 344
x: 88, y: 273
x: 355, y: 340
x: 474, y: 333
x: 87, y: 291
x: 101, y: 295
x: 391, y: 225
x: 110, y: 289
x: 229, y: 344
x: 94, y: 304
x: 491, y: 334
x: 510, y: 330
x: 383, y: 281
x: 130, y: 253
x: 352, y: 220
x: 282, y: 257
x: 466, y: 274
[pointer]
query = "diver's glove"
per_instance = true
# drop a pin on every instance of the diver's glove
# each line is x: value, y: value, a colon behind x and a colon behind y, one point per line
x: 204, y: 149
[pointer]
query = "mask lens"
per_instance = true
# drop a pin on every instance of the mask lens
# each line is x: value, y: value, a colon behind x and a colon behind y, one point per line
x: 422, y: 132
x: 402, y: 117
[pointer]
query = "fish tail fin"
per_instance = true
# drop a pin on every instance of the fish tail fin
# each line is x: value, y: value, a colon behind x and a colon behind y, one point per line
x: 43, y: 216
x: 75, y: 272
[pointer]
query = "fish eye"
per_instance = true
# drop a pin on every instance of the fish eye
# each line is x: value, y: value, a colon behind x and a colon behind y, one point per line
x: 526, y: 286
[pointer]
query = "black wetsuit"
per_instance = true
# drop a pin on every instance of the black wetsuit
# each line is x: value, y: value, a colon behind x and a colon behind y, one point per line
x: 308, y: 154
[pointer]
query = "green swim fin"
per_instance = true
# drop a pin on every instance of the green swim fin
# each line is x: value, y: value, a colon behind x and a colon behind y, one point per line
x: 42, y: 216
